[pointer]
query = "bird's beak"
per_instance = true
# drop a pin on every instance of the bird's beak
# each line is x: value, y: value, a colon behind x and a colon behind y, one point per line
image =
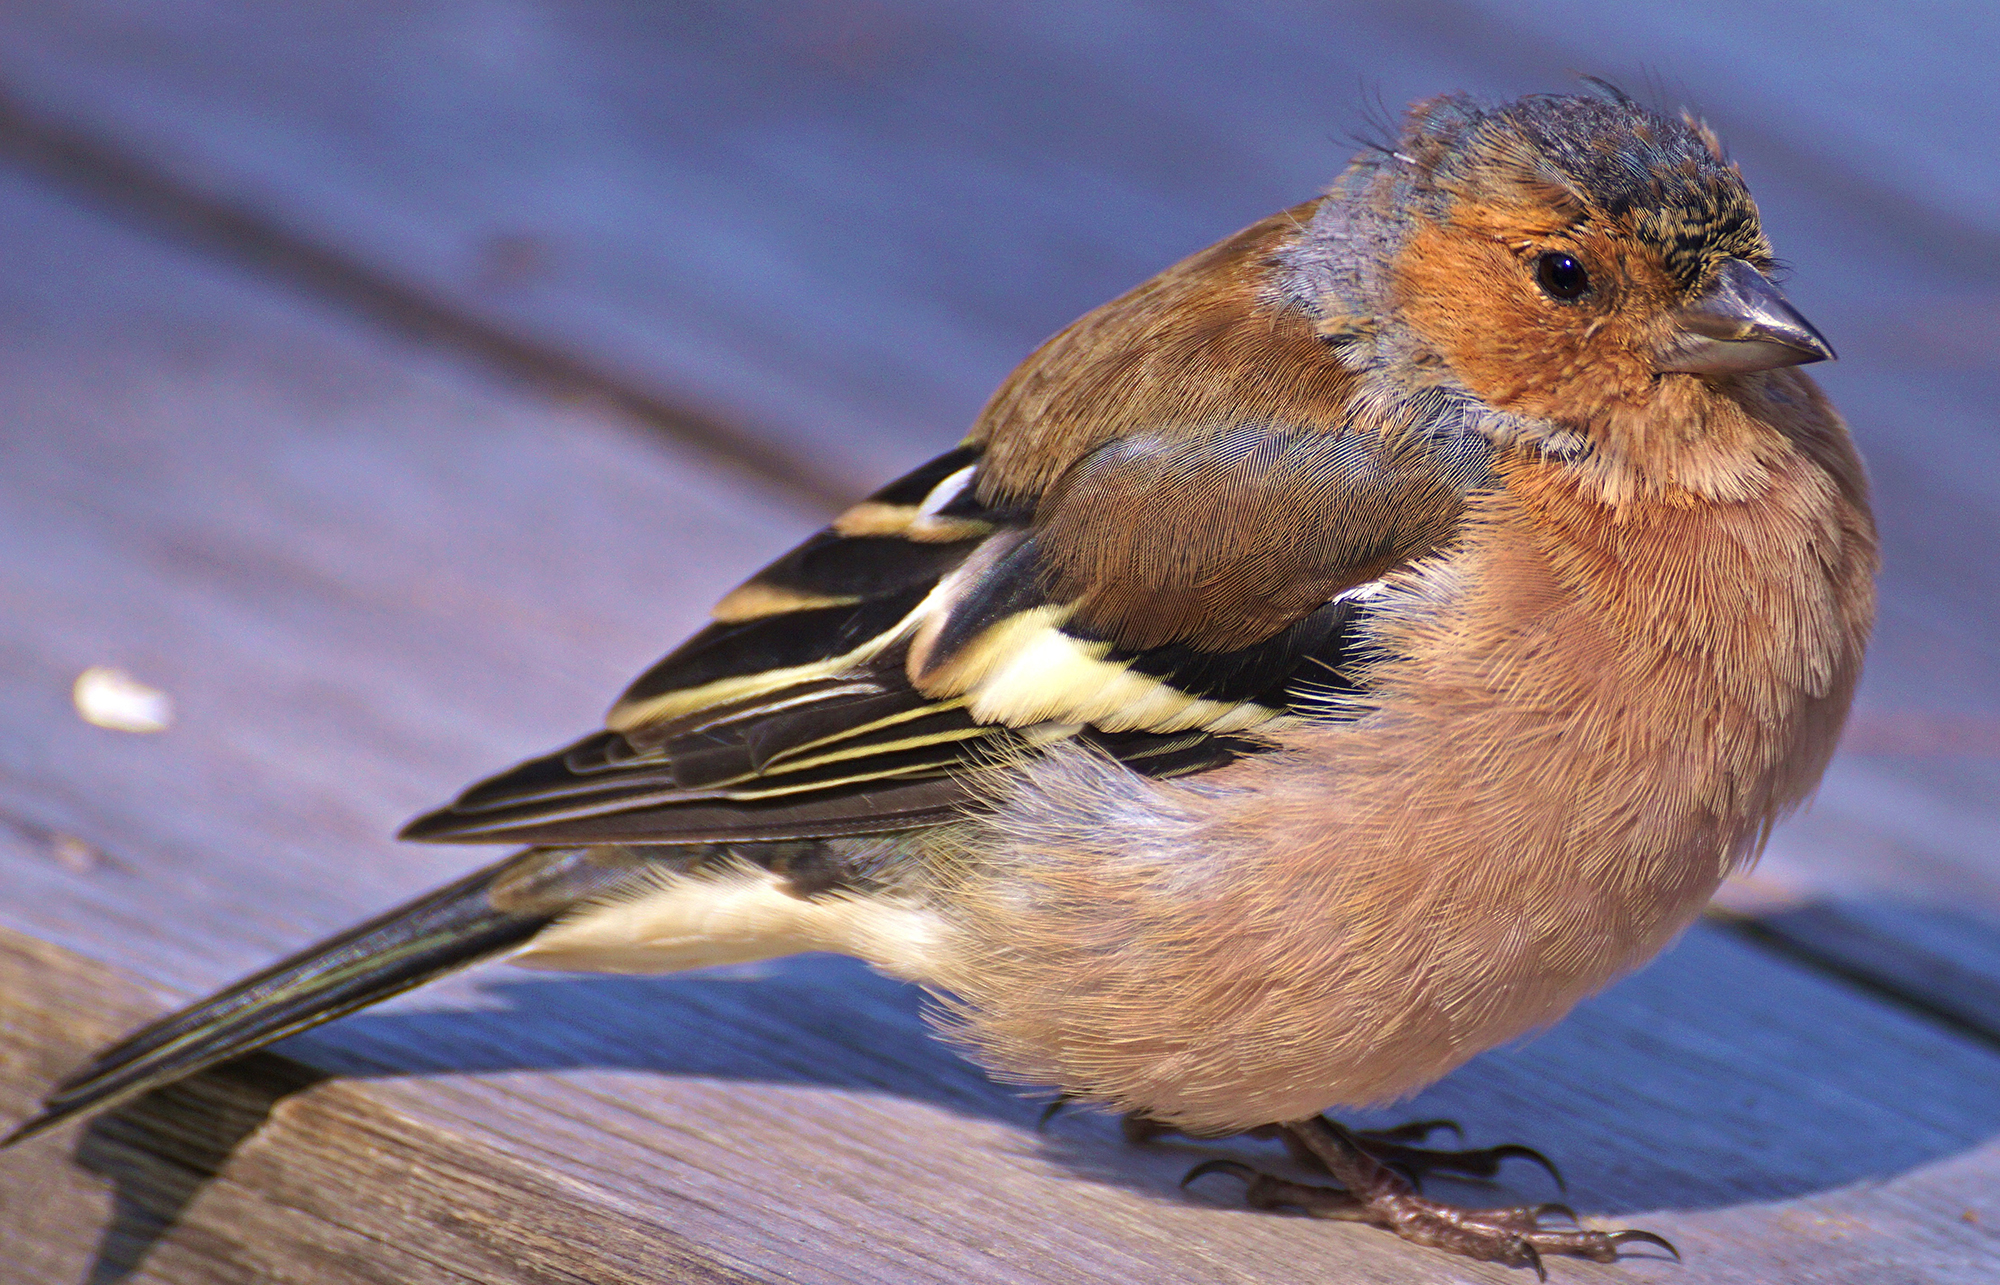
x: 1740, y: 323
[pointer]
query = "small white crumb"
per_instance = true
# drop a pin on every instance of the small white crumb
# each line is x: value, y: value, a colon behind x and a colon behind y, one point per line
x: 74, y: 854
x: 112, y: 698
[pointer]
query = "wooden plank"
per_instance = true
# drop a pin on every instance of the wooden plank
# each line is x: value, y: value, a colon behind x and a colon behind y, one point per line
x: 365, y: 573
x: 1945, y: 827
x: 315, y: 496
x: 846, y: 224
x: 293, y: 1178
x: 838, y: 228
x: 1938, y: 960
x: 877, y: 300
x: 326, y: 1187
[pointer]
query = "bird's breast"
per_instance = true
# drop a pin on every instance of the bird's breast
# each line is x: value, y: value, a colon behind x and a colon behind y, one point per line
x: 1584, y: 719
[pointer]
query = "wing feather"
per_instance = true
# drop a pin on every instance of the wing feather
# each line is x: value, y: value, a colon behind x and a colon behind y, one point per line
x: 1162, y: 599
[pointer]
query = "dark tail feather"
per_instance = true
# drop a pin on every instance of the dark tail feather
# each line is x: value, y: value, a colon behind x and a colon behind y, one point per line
x: 460, y: 924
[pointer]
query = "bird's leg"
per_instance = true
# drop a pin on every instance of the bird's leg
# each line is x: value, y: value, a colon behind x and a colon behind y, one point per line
x: 1372, y: 1191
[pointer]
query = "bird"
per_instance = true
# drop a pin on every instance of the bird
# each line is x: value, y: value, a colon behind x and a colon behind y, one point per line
x: 1333, y: 658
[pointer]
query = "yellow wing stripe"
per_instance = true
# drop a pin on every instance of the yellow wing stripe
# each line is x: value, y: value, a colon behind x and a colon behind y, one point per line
x: 885, y: 747
x: 859, y: 778
x: 629, y: 716
x: 863, y: 729
x: 1025, y: 670
x: 755, y: 601
x: 905, y: 520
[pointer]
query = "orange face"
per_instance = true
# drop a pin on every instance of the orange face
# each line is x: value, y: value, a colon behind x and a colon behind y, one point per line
x: 1538, y: 315
x: 1554, y: 274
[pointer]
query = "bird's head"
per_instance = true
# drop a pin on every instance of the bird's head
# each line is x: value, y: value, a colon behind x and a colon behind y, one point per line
x: 1566, y: 260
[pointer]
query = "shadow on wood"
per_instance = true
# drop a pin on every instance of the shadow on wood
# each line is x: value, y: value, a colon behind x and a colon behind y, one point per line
x: 820, y: 1020
x: 1720, y: 1076
x: 159, y: 1150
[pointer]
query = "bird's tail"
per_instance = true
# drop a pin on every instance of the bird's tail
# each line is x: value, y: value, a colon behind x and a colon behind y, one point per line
x: 481, y: 915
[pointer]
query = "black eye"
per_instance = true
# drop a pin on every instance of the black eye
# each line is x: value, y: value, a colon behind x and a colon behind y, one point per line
x: 1561, y: 276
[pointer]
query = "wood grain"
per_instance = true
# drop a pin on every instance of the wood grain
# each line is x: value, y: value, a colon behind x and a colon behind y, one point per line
x: 233, y: 1176
x: 339, y: 555
x: 368, y: 565
x: 846, y: 224
x: 832, y: 230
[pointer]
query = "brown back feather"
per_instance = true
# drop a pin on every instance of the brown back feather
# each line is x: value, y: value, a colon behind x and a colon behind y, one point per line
x: 1221, y: 540
x: 1207, y: 344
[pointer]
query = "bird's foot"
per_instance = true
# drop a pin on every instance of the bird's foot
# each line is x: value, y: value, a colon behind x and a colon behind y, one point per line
x: 1392, y: 1147
x: 1372, y: 1190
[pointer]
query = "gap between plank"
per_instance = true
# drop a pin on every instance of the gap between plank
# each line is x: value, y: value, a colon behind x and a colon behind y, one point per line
x: 1821, y: 938
x: 130, y: 186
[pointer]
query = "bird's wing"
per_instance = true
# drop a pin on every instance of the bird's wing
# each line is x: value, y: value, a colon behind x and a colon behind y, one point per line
x: 1166, y: 595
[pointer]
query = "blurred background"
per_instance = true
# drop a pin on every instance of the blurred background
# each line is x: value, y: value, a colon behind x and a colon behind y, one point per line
x: 387, y: 381
x: 814, y: 236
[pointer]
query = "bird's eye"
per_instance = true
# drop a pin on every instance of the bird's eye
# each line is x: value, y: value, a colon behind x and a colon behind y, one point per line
x: 1561, y: 276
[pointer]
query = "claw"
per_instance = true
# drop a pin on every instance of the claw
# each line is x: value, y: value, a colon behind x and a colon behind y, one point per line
x: 1513, y: 1149
x: 1535, y: 1260
x: 1415, y: 1162
x: 1634, y: 1236
x: 1052, y: 1110
x: 1234, y: 1168
x: 1556, y: 1207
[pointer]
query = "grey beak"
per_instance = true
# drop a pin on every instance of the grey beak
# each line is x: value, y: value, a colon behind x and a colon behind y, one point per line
x: 1741, y: 323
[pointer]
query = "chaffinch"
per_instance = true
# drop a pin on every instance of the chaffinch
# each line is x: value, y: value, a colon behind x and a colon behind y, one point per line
x: 1331, y: 659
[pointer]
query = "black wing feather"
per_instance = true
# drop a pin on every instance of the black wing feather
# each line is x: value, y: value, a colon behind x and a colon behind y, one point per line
x: 839, y: 741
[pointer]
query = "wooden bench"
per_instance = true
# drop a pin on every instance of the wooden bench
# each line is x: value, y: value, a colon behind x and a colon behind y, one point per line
x: 389, y: 383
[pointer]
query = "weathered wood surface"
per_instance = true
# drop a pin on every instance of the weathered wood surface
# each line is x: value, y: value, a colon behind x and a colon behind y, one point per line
x: 335, y: 552
x: 263, y: 1172
x: 368, y: 571
x: 834, y: 228
x: 845, y: 223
